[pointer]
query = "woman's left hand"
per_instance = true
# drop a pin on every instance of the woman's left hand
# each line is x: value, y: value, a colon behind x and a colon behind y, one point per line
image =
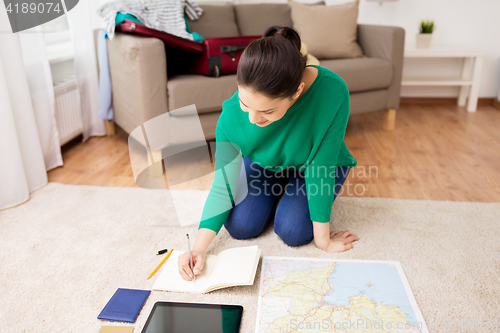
x: 340, y: 241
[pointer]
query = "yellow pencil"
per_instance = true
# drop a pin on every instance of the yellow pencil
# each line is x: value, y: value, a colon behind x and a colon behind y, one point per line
x: 161, y: 263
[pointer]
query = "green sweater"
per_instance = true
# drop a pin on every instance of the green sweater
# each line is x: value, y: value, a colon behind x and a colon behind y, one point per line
x: 309, y: 138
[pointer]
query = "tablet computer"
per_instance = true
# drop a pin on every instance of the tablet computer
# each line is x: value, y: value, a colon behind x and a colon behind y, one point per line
x: 173, y: 317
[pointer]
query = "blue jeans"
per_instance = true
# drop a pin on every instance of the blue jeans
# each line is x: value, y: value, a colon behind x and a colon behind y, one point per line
x: 278, y: 193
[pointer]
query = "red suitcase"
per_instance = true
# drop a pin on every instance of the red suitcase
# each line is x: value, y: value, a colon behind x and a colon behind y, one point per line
x: 211, y: 57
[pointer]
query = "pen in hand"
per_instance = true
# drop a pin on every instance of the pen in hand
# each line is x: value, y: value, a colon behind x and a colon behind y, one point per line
x: 190, y: 257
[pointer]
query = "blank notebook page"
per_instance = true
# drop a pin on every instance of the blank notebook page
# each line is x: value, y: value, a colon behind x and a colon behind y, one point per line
x: 235, y: 266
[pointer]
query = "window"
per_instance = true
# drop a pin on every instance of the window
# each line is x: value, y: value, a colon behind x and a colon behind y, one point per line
x: 57, y: 37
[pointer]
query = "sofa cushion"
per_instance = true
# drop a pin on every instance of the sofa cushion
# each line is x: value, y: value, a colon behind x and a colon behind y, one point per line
x: 207, y: 93
x: 329, y: 31
x: 254, y: 19
x: 361, y: 74
x: 216, y: 21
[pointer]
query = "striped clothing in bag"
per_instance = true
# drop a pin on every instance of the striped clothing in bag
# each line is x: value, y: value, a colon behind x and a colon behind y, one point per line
x: 167, y: 16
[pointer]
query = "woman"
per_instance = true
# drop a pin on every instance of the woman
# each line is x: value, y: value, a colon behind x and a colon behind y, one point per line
x: 285, y: 116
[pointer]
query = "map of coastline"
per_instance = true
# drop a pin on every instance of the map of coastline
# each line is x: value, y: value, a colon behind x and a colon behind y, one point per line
x: 322, y: 295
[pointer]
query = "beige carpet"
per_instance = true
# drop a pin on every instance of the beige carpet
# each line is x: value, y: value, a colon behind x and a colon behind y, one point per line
x: 66, y: 251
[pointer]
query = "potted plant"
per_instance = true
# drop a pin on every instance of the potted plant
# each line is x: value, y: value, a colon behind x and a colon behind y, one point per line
x: 424, y: 36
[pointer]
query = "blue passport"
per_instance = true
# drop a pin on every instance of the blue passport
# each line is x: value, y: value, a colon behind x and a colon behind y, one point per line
x: 124, y: 305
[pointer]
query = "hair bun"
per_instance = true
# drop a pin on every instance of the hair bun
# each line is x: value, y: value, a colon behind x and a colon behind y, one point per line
x: 287, y: 32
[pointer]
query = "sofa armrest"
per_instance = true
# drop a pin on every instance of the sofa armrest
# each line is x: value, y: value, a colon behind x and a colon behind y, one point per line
x: 385, y: 42
x: 138, y: 70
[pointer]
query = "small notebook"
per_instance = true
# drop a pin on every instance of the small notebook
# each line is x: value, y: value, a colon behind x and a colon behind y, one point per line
x: 116, y: 329
x: 231, y: 267
x: 124, y: 305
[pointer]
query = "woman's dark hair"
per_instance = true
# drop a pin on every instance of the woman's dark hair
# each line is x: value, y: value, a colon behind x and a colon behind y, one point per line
x: 273, y: 65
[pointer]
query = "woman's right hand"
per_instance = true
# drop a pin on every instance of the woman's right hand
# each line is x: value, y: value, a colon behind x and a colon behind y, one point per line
x: 198, y: 263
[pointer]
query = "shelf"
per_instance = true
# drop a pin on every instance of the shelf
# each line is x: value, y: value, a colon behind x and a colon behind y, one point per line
x: 470, y: 76
x: 432, y: 81
x: 442, y: 52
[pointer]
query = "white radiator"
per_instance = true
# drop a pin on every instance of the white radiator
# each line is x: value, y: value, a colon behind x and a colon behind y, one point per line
x: 68, y: 111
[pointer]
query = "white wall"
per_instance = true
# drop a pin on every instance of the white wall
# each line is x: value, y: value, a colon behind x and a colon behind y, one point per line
x: 458, y: 22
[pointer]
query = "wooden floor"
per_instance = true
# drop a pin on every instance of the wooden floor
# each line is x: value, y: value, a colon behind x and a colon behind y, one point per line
x: 436, y: 152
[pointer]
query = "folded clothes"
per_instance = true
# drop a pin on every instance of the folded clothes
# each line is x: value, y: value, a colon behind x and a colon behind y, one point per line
x: 196, y: 36
x: 120, y: 17
x: 166, y: 16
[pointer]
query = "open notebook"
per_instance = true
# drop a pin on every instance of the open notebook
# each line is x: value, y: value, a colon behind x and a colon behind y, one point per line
x: 231, y: 267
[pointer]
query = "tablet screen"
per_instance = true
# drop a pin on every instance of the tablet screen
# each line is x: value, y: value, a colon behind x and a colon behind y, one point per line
x: 172, y: 317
